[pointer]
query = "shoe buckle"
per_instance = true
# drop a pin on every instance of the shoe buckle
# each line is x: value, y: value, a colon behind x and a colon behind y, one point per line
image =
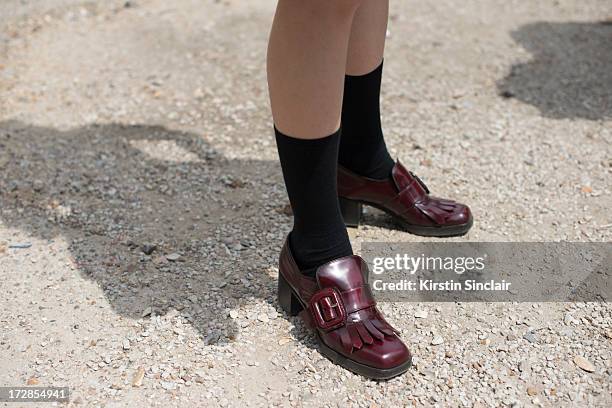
x: 327, y: 309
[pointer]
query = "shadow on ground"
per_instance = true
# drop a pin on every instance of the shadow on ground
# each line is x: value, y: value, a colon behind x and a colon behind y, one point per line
x: 108, y: 190
x: 570, y: 74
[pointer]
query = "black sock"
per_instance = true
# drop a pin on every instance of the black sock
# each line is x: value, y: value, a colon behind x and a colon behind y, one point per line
x: 310, y: 172
x: 362, y: 146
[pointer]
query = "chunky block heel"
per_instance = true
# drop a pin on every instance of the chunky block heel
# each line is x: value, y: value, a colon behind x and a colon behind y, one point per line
x: 287, y: 300
x: 351, y: 212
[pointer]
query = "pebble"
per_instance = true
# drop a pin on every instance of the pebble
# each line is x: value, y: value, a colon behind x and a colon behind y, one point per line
x: 24, y: 245
x: 530, y: 337
x: 584, y: 364
x: 168, y: 385
x: 437, y: 340
x: 138, y: 377
x: 148, y: 249
x: 524, y: 366
x: 173, y: 257
x: 421, y: 314
x: 146, y: 312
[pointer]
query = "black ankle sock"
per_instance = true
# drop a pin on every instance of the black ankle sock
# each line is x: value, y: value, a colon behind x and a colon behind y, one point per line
x: 310, y: 173
x: 362, y: 146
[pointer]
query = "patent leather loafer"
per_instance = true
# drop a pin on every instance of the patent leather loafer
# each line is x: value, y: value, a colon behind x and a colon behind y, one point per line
x: 339, y: 307
x: 406, y: 198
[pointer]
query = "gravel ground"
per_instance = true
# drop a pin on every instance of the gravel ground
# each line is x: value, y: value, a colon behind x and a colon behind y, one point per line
x: 137, y: 160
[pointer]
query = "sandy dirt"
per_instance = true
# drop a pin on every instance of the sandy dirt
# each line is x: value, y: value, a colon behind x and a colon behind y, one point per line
x: 138, y: 165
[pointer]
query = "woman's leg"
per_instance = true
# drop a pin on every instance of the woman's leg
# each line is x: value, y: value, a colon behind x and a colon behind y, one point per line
x: 306, y: 66
x: 368, y: 33
x: 362, y: 148
x: 307, y: 56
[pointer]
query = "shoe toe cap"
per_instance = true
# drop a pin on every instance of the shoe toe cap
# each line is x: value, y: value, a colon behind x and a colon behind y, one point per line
x: 461, y: 215
x: 390, y: 353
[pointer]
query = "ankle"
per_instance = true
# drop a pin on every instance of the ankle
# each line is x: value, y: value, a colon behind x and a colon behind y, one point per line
x: 376, y: 166
x: 313, y: 250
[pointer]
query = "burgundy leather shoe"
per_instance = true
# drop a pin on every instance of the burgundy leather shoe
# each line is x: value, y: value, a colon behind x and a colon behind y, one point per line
x: 405, y: 197
x: 339, y: 307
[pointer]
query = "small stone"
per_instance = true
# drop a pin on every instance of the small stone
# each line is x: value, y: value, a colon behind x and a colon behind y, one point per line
x: 532, y: 390
x: 437, y: 340
x: 233, y: 314
x: 168, y: 385
x: 126, y: 344
x: 148, y: 249
x: 530, y: 337
x: 38, y: 185
x: 32, y: 381
x: 138, y: 377
x: 284, y: 341
x: 524, y: 366
x: 20, y: 245
x: 421, y: 314
x: 511, y: 337
x: 160, y: 260
x: 584, y: 364
x: 173, y: 257
x: 146, y: 312
x: 263, y: 318
x: 502, y: 347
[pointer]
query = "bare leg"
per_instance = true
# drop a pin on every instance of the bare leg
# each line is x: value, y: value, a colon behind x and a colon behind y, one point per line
x: 307, y: 57
x: 367, y: 42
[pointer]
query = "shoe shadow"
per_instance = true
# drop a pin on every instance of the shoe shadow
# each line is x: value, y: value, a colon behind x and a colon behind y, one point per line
x: 570, y: 74
x: 111, y: 190
x: 374, y: 217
